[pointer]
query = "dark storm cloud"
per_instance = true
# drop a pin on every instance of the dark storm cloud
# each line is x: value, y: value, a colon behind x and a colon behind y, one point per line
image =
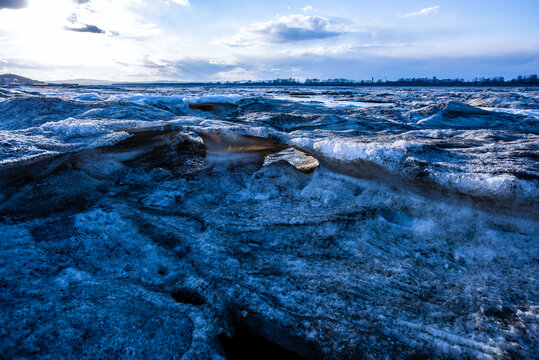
x: 86, y: 28
x: 13, y: 4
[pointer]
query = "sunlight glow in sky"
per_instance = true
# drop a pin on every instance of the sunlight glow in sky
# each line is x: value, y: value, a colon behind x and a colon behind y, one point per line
x: 185, y: 40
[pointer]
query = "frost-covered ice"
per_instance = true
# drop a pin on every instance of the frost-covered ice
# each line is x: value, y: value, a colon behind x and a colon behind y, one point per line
x: 335, y: 222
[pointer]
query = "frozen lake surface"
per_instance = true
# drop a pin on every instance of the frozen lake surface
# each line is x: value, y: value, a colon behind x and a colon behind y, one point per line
x: 335, y: 222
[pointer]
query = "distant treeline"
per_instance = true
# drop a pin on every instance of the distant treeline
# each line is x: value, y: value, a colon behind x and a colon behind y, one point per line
x: 530, y: 80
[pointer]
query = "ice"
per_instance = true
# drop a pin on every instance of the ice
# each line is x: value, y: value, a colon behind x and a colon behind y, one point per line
x: 181, y: 105
x: 30, y: 111
x: 525, y: 112
x: 344, y: 149
x: 88, y: 97
x: 231, y: 99
x: 173, y: 104
x: 487, y: 184
x: 329, y: 102
x: 71, y: 128
x: 142, y: 220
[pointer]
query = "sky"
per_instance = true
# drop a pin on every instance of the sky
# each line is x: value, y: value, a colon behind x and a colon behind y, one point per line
x: 220, y: 40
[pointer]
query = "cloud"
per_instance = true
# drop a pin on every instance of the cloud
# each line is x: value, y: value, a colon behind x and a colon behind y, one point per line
x: 286, y: 29
x: 86, y: 28
x: 81, y: 27
x: 73, y: 18
x: 13, y: 4
x: 307, y: 8
x: 355, y: 63
x: 15, y: 63
x: 425, y: 11
x: 238, y: 73
x: 190, y: 68
x: 101, y: 16
x: 180, y: 2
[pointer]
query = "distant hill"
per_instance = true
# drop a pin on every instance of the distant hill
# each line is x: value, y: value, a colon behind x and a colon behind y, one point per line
x: 12, y: 79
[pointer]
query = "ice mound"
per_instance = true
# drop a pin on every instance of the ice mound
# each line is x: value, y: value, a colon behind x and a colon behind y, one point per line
x: 173, y: 104
x: 4, y: 93
x: 452, y: 114
x: 25, y: 112
x: 291, y: 122
x: 494, y: 186
x: 216, y: 99
x: 126, y: 110
x: 513, y: 99
x: 215, y: 104
x: 72, y: 128
x: 88, y: 97
x: 457, y: 115
x: 73, y: 135
x: 390, y: 155
x: 182, y: 105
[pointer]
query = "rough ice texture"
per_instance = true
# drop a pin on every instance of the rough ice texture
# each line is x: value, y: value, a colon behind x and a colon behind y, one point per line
x: 414, y: 237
